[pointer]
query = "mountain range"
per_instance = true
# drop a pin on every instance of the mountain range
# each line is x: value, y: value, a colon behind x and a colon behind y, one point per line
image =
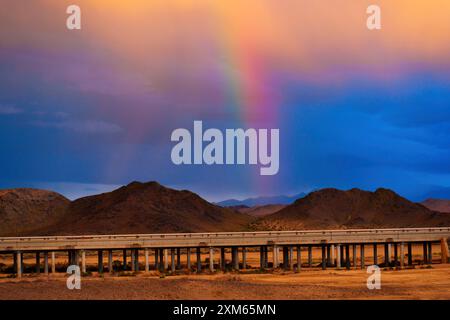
x: 152, y: 208
x: 261, y: 201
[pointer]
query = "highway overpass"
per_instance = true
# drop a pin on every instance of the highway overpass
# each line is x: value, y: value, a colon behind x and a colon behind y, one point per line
x: 338, y: 248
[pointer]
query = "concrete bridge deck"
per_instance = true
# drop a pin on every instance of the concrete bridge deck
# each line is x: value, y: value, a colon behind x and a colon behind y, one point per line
x: 223, y: 239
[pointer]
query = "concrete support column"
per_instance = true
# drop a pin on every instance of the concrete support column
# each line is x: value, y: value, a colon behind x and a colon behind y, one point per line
x: 338, y: 256
x: 211, y: 259
x: 310, y: 256
x: 199, y: 260
x: 275, y: 257
x: 38, y: 262
x: 291, y: 258
x: 395, y: 254
x: 46, y: 263
x: 136, y: 260
x: 124, y: 253
x: 100, y: 261
x: 299, y: 258
x: 244, y: 258
x: 83, y: 261
x: 285, y: 258
x: 178, y: 258
x: 110, y: 261
x: 147, y: 262
x: 347, y: 253
x: 235, y: 258
x: 342, y: 256
x: 133, y: 260
x: 402, y: 255
x: 354, y: 257
x: 19, y: 264
x: 410, y: 254
x: 363, y: 258
x: 425, y: 253
x: 172, y: 259
x: 156, y: 259
x: 444, y: 250
x: 166, y: 259
x: 328, y: 255
x: 324, y: 261
x: 53, y: 262
x: 387, y: 257
x: 266, y: 257
x: 375, y: 254
x: 333, y: 255
x: 162, y: 262
x: 430, y: 253
x: 222, y: 259
x: 188, y: 258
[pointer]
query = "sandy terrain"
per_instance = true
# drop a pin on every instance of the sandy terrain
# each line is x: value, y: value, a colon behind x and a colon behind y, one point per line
x: 419, y: 283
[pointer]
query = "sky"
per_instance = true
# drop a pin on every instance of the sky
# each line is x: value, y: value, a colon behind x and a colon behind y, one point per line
x: 86, y: 111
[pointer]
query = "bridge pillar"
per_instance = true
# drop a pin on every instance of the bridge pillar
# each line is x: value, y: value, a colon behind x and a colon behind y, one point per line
x: 430, y: 252
x: 275, y: 256
x: 291, y: 258
x: 310, y: 261
x: 347, y: 253
x: 363, y: 258
x: 324, y: 262
x: 156, y: 259
x: 222, y: 259
x: 425, y: 253
x: 100, y: 261
x: 395, y: 254
x: 147, y: 262
x: 188, y: 259
x: 244, y: 258
x: 387, y: 256
x: 444, y: 251
x: 46, y: 263
x: 178, y: 258
x: 266, y: 257
x: 162, y: 261
x: 299, y: 258
x: 236, y: 258
x: 53, y: 262
x: 83, y: 261
x: 285, y: 258
x: 19, y: 264
x: 133, y: 260
x: 199, y: 260
x: 328, y: 255
x: 333, y: 255
x: 124, y: 253
x: 410, y: 254
x: 38, y: 263
x: 402, y: 255
x: 110, y: 261
x: 211, y: 259
x: 172, y: 259
x: 354, y: 257
x: 338, y: 256
x: 136, y: 260
x: 375, y: 254
x: 14, y: 262
x: 342, y: 256
x: 166, y: 259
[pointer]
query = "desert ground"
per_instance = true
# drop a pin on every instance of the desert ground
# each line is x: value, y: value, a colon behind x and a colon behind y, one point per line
x: 420, y: 282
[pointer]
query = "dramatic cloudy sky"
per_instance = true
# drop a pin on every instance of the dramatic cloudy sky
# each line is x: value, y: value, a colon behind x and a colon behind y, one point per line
x: 86, y: 111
